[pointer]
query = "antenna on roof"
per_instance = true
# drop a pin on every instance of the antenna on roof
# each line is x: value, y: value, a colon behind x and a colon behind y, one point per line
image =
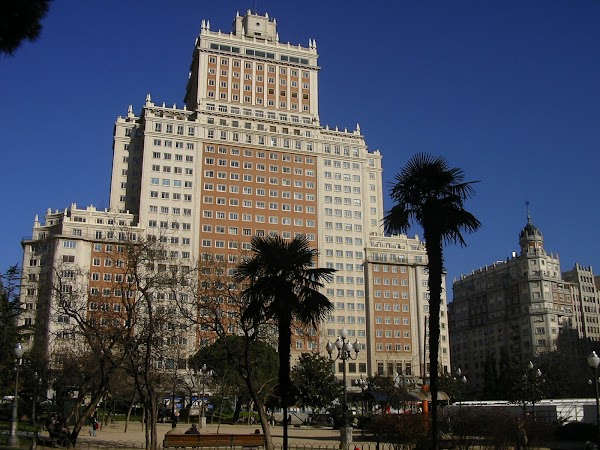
x: 528, y: 213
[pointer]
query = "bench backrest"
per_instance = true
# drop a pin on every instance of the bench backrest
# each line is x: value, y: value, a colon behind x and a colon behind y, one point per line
x: 214, y: 440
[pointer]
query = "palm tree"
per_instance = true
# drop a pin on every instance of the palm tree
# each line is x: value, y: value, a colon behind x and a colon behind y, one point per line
x: 20, y: 21
x: 431, y: 193
x: 283, y: 285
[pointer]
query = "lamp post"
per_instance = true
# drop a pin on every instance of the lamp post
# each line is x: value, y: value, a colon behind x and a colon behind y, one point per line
x: 363, y: 385
x: 533, y: 384
x: 173, y: 416
x: 593, y: 361
x: 36, y: 386
x: 462, y: 381
x: 13, y: 439
x: 203, y: 375
x: 344, y: 353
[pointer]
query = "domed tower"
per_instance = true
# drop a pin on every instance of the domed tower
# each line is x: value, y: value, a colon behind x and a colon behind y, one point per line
x: 531, y: 240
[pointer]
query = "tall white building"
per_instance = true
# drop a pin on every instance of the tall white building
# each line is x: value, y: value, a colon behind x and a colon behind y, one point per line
x: 246, y: 155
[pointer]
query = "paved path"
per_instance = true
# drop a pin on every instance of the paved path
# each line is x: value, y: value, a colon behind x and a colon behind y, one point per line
x: 325, y: 437
x: 135, y: 432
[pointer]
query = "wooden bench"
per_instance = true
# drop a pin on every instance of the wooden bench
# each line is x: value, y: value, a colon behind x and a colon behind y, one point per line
x: 214, y: 440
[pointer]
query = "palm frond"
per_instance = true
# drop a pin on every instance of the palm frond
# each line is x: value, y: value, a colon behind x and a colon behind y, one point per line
x: 281, y: 280
x: 398, y: 219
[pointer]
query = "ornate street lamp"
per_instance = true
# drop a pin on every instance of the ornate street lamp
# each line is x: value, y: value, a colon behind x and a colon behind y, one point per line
x: 344, y: 353
x: 173, y: 412
x: 36, y: 388
x: 13, y: 439
x: 593, y: 361
x: 534, y: 384
x: 462, y: 381
x: 363, y: 385
x: 204, y: 374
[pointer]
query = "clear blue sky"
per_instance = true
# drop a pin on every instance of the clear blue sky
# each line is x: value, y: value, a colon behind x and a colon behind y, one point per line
x: 507, y: 90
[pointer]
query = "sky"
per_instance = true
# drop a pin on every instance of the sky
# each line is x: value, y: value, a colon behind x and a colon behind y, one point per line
x: 508, y: 91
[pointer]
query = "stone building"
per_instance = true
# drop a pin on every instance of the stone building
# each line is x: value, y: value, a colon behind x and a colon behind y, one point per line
x: 519, y: 305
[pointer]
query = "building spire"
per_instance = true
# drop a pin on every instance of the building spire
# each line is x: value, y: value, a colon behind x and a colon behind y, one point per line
x: 530, y: 238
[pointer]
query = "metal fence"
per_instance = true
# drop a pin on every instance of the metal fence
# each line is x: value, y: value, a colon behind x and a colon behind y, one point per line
x: 134, y: 445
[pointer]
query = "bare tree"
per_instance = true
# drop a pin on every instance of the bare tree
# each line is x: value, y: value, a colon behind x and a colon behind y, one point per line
x: 86, y: 348
x: 159, y: 342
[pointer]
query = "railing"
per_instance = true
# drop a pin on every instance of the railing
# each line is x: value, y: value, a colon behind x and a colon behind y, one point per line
x: 134, y: 445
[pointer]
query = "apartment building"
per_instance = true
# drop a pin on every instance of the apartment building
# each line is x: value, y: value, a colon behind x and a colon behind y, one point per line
x: 520, y: 305
x: 586, y: 301
x: 398, y: 309
x: 72, y: 253
x: 246, y: 155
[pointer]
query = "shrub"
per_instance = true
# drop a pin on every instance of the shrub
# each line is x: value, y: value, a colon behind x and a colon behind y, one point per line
x: 407, y: 429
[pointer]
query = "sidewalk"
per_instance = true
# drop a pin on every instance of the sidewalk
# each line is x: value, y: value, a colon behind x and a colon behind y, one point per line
x: 135, y: 432
x: 324, y: 437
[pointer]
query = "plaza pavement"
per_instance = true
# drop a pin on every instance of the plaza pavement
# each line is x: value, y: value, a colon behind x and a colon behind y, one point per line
x: 325, y: 436
x: 322, y: 437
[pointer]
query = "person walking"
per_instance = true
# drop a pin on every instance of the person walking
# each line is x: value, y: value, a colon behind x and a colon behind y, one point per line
x: 94, y: 425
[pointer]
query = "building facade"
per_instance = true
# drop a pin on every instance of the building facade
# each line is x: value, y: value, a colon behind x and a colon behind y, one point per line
x: 73, y: 253
x: 246, y: 155
x: 519, y: 306
x: 398, y: 309
x: 586, y: 301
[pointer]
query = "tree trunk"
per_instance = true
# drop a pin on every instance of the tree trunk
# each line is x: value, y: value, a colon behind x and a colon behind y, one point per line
x: 284, y: 349
x: 111, y: 411
x: 87, y: 413
x: 129, y: 412
x: 262, y: 414
x: 153, y: 431
x: 151, y: 419
x: 237, y: 412
x: 435, y: 264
